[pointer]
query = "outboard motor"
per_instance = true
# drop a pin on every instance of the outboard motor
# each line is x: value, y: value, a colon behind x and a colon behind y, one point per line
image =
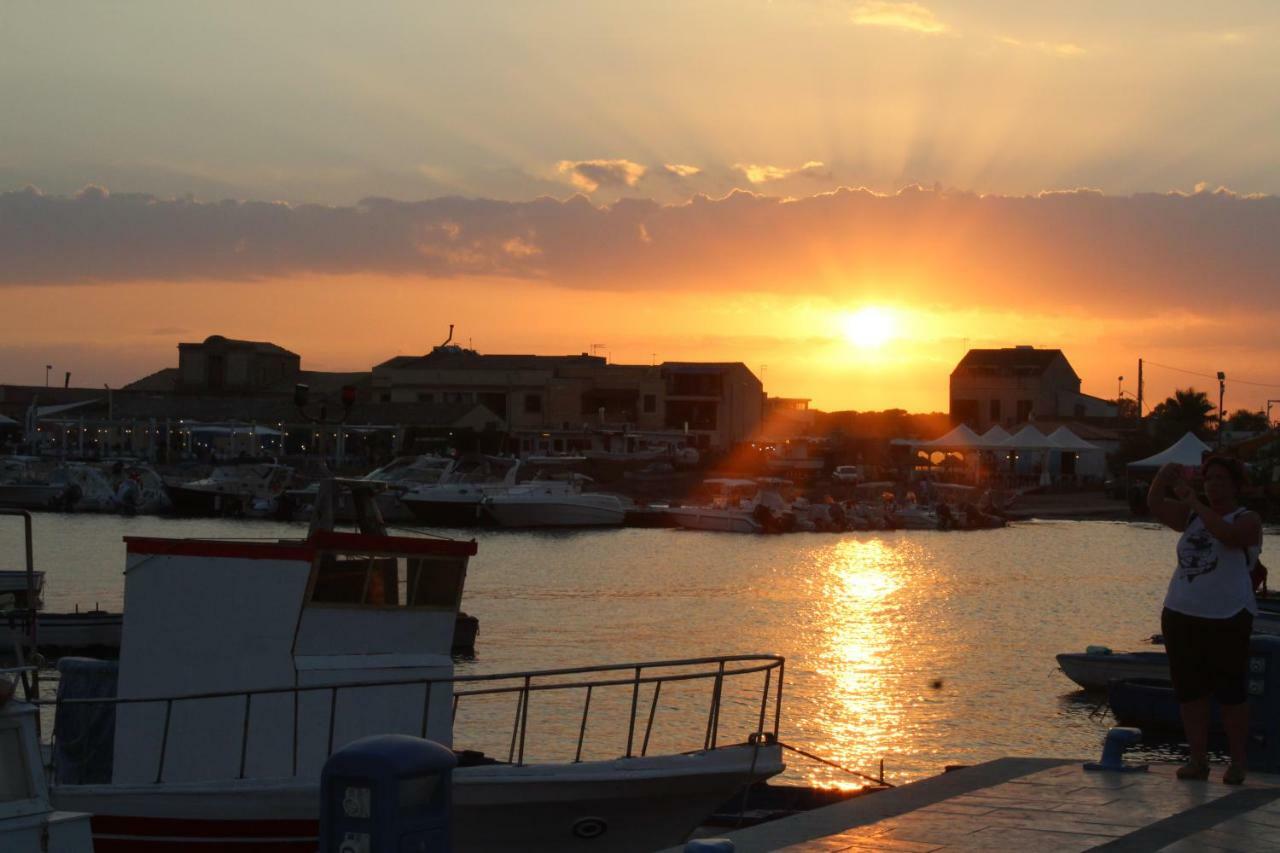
x: 1264, y: 702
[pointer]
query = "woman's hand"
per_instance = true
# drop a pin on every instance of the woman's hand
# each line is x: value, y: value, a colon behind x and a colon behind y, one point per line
x: 1184, y: 494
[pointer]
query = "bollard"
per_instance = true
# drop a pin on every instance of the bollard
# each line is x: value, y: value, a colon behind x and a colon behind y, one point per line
x: 387, y: 794
x: 709, y: 845
x: 1113, y: 751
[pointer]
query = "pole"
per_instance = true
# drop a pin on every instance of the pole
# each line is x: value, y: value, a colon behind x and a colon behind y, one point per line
x: 1140, y: 389
x: 1222, y: 393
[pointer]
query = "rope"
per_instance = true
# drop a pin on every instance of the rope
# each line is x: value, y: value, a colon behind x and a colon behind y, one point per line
x: 829, y: 763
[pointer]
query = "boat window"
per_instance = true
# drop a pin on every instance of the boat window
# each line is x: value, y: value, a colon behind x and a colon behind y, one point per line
x: 15, y: 780
x: 369, y: 581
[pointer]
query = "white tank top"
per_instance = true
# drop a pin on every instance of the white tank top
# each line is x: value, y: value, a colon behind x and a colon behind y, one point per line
x: 1212, y: 579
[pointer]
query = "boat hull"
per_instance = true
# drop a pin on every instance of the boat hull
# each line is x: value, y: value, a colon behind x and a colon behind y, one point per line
x: 70, y: 633
x: 721, y: 521
x: 445, y: 513
x: 629, y: 804
x: 512, y: 513
x: 199, y: 502
x: 33, y: 496
x: 1095, y: 672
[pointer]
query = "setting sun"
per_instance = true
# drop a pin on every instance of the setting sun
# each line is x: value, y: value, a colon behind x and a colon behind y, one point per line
x: 869, y: 328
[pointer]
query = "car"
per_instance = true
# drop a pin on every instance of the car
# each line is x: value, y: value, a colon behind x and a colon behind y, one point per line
x: 847, y: 474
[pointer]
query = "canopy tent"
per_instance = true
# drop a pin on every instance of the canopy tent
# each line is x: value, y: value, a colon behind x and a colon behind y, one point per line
x: 994, y: 437
x: 1187, y: 450
x: 960, y: 438
x: 1068, y: 440
x: 1029, y: 438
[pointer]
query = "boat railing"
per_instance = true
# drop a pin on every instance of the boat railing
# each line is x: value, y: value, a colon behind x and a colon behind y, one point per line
x: 524, y: 686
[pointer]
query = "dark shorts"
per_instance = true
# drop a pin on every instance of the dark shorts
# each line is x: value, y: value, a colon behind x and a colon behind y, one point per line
x: 1208, y: 657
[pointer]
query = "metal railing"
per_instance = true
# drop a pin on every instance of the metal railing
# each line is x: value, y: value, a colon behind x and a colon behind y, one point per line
x: 527, y: 684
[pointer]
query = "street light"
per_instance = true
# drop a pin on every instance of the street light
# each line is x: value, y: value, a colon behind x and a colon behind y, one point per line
x: 47, y: 368
x: 1119, y: 387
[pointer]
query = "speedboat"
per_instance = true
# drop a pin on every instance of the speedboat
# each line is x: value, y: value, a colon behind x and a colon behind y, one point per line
x: 252, y: 489
x: 1099, y: 666
x: 120, y: 486
x: 400, y: 475
x: 245, y: 664
x: 554, y: 503
x: 455, y: 501
x: 25, y: 484
x: 914, y: 517
x: 731, y: 510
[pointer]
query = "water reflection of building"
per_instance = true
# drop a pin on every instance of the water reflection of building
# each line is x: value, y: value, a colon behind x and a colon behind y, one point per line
x: 1013, y: 385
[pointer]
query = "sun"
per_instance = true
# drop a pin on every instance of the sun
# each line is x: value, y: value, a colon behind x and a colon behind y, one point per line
x: 870, y: 327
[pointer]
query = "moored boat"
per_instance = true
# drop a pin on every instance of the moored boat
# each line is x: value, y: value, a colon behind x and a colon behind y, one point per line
x: 237, y: 490
x: 554, y: 504
x: 1094, y: 670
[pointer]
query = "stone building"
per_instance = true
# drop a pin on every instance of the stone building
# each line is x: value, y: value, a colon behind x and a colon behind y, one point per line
x: 1014, y: 385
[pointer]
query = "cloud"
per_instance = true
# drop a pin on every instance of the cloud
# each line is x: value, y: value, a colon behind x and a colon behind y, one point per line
x: 899, y: 16
x: 681, y: 171
x: 590, y: 175
x: 1080, y: 249
x: 759, y: 174
x: 1063, y: 49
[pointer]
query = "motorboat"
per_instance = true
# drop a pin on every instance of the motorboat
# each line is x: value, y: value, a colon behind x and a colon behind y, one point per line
x: 28, y: 820
x: 119, y: 486
x: 400, y: 475
x: 913, y: 517
x: 212, y: 732
x: 251, y: 489
x: 455, y: 502
x: 737, y: 506
x: 554, y: 503
x: 1097, y: 667
x: 21, y: 590
x: 25, y: 484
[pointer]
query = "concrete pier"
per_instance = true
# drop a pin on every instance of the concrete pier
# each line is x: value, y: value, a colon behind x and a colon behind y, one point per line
x: 1039, y: 805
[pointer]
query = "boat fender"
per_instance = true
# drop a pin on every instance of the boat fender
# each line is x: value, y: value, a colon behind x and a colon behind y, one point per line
x: 1097, y: 650
x: 590, y: 827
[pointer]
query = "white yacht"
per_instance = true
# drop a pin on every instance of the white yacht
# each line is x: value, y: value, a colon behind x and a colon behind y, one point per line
x: 123, y: 486
x: 737, y: 506
x: 252, y: 489
x: 25, y: 483
x: 399, y: 476
x: 455, y: 500
x: 554, y: 503
x: 246, y: 664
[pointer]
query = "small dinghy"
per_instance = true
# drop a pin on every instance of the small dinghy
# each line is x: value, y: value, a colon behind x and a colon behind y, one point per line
x: 1098, y: 666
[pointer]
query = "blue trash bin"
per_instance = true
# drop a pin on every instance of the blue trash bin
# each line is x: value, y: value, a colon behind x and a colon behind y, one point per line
x: 387, y: 794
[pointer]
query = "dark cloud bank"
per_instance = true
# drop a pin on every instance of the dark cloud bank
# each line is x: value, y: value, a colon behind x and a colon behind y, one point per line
x: 1202, y: 249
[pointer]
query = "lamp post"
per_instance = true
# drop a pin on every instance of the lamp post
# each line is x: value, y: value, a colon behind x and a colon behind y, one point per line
x: 1222, y: 393
x: 47, y: 368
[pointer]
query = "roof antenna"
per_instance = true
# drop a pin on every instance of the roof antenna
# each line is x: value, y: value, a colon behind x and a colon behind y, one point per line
x: 446, y: 340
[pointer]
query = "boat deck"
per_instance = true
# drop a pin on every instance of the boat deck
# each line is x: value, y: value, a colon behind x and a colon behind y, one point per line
x: 1042, y: 805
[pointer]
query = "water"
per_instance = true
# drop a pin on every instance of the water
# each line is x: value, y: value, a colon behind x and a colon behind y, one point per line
x: 917, y: 648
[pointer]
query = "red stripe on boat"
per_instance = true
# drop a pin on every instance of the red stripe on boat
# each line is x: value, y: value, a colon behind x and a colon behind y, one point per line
x: 343, y: 541
x: 216, y: 548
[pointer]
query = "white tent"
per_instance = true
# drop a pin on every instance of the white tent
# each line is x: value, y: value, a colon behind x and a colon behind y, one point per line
x: 960, y: 438
x: 1028, y: 438
x: 1090, y: 461
x: 1068, y: 440
x: 995, y: 437
x: 1187, y: 450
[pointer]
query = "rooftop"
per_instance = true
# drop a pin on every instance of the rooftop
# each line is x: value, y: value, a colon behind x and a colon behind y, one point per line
x: 1023, y: 359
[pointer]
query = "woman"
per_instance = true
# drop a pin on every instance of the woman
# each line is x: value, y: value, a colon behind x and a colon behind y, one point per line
x: 1209, y: 607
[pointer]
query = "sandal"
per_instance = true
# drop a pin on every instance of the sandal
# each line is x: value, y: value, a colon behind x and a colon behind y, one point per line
x: 1196, y: 770
x: 1234, y: 776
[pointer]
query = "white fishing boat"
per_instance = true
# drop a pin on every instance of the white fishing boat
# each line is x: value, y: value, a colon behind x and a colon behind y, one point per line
x: 28, y: 820
x: 242, y: 490
x: 554, y: 503
x: 218, y: 729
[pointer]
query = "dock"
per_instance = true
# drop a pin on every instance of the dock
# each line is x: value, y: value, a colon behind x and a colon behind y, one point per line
x: 1043, y: 805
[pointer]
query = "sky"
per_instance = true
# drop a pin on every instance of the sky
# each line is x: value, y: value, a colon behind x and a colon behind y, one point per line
x: 845, y: 195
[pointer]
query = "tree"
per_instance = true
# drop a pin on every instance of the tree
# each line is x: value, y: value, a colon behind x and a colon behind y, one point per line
x: 1244, y: 420
x: 1126, y: 409
x: 1186, y: 411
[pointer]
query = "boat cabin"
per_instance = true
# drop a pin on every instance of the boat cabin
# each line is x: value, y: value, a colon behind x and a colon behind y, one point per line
x: 27, y: 819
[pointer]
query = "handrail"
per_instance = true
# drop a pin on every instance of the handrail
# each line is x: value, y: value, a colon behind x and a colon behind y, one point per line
x: 641, y: 673
x: 31, y: 687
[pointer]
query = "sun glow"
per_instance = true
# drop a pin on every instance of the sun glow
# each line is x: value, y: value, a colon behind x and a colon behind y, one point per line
x: 870, y: 327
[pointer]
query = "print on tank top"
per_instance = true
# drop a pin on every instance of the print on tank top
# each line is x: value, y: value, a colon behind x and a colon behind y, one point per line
x: 1196, y: 555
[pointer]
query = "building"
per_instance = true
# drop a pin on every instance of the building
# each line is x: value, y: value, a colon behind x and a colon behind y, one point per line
x: 717, y: 404
x: 1014, y: 385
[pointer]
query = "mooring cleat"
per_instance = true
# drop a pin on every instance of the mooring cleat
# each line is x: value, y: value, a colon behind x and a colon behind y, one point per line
x: 1113, y: 751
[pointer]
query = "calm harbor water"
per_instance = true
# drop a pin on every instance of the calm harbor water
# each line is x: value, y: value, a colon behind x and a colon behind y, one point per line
x: 917, y: 648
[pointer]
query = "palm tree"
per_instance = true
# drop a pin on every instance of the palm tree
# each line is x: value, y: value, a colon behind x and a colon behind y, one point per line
x: 1186, y: 411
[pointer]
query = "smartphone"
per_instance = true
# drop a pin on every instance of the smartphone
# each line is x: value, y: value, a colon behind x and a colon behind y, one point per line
x: 1190, y: 472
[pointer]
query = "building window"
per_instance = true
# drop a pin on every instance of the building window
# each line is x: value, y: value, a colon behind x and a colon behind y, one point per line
x: 533, y: 404
x: 650, y: 403
x: 965, y: 411
x: 426, y: 397
x: 995, y: 411
x: 1024, y: 411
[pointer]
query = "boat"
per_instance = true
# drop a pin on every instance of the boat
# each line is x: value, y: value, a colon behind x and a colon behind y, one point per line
x: 121, y: 486
x: 400, y: 475
x: 25, y: 484
x: 455, y: 501
x: 1098, y: 667
x: 28, y: 820
x: 737, y: 506
x: 913, y: 517
x: 554, y: 503
x: 1150, y: 704
x: 221, y: 727
x: 21, y: 590
x: 252, y: 489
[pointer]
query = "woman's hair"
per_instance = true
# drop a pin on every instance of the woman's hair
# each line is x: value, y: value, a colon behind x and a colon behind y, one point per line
x: 1234, y: 467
